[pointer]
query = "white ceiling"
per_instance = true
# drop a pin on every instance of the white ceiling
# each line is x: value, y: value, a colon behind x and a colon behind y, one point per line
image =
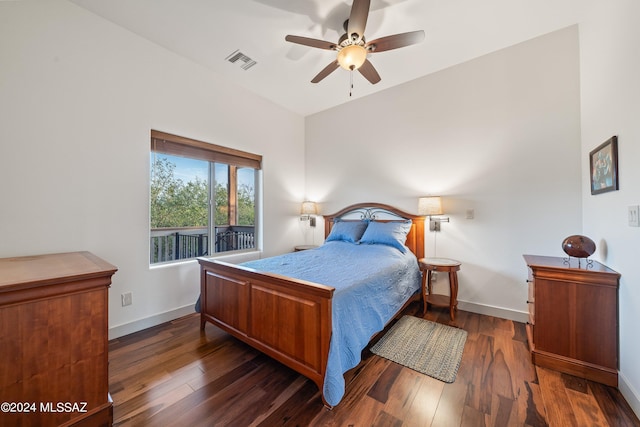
x: 207, y: 31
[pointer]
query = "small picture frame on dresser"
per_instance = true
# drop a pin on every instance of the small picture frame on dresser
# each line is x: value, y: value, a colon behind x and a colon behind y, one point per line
x: 603, y: 166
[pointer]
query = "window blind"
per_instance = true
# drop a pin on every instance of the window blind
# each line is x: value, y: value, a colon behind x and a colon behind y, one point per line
x: 167, y: 143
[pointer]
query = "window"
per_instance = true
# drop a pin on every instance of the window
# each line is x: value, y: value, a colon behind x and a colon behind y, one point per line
x: 202, y: 198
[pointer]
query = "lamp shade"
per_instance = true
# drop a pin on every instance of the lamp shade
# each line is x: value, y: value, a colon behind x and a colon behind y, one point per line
x: 352, y: 57
x: 431, y: 205
x: 309, y: 208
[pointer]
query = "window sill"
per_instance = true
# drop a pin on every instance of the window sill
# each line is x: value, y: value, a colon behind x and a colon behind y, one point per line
x: 234, y: 258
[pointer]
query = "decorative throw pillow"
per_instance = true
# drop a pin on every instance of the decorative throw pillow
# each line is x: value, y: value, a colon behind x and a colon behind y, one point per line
x: 392, y: 233
x: 347, y: 231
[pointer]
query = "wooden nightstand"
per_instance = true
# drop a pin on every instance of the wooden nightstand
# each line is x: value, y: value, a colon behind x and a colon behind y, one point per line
x: 304, y: 247
x: 429, y: 265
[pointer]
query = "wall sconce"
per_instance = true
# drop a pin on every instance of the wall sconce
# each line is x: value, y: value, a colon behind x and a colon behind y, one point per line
x: 431, y: 206
x: 308, y: 211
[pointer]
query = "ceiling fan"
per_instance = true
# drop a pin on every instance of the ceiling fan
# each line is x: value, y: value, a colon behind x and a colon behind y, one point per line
x: 352, y: 47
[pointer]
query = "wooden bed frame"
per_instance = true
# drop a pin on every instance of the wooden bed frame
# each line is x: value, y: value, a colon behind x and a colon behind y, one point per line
x: 287, y: 319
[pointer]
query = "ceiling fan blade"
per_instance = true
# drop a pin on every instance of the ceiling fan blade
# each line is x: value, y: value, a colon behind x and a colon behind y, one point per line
x: 369, y: 72
x: 306, y: 41
x: 326, y: 71
x: 358, y: 18
x: 395, y: 41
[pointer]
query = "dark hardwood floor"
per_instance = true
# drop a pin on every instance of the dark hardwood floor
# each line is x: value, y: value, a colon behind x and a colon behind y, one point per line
x: 176, y: 375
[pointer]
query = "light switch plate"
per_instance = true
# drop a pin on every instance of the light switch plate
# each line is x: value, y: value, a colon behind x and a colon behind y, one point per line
x: 634, y: 218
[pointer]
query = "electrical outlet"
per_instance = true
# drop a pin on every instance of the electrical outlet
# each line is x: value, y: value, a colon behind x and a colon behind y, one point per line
x: 470, y: 214
x: 634, y: 219
x: 126, y: 299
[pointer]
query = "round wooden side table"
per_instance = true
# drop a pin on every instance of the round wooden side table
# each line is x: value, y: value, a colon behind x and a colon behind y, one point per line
x: 451, y: 266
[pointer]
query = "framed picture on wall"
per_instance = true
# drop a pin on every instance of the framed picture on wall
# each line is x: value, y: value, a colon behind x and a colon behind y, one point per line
x: 603, y: 165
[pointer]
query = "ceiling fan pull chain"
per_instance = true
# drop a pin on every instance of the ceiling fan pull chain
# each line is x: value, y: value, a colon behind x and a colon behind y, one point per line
x: 350, y: 83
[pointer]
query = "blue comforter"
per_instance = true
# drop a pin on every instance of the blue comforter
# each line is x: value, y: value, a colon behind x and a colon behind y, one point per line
x: 371, y: 283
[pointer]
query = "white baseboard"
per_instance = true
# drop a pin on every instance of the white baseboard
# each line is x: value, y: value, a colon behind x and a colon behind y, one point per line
x: 157, y: 319
x: 502, y: 313
x: 630, y: 394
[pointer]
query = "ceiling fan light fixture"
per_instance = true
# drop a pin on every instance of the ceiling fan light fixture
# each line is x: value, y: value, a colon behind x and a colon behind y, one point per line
x: 352, y: 57
x: 353, y: 48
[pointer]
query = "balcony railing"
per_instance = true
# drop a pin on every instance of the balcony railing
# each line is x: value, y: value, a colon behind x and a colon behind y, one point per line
x: 170, y: 244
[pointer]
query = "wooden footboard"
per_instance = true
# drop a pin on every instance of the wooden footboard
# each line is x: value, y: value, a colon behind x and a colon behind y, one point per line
x: 285, y: 318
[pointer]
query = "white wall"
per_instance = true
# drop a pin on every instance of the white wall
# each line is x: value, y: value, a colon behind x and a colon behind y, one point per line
x: 499, y: 134
x: 610, y: 94
x: 78, y: 97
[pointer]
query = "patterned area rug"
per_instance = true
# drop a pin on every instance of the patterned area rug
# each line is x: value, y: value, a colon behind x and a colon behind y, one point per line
x: 424, y: 346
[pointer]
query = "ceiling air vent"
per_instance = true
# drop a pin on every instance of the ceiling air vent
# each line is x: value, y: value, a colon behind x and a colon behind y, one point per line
x: 237, y: 57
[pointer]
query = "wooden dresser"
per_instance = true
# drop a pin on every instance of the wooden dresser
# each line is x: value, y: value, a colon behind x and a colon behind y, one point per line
x: 573, y: 317
x: 54, y: 340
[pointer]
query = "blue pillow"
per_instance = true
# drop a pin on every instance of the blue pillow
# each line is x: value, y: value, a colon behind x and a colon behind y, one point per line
x: 387, y: 233
x: 348, y: 231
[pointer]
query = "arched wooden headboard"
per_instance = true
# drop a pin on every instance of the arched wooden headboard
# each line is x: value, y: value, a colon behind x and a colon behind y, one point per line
x: 384, y: 213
